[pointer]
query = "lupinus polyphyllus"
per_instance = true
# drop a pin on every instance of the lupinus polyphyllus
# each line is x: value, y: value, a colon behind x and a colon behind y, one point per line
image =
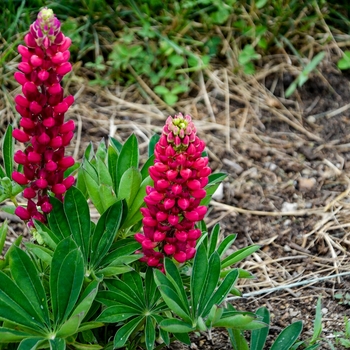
x: 180, y: 174
x: 42, y: 108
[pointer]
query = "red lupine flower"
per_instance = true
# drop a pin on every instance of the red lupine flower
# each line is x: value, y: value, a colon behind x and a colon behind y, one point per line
x: 180, y: 174
x: 44, y: 63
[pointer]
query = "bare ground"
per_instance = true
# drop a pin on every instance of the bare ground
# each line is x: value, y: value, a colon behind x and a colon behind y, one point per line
x: 287, y: 189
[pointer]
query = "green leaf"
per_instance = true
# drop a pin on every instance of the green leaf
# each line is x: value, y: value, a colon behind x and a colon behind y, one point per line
x: 58, y: 221
x: 8, y: 335
x: 129, y: 157
x: 221, y: 293
x: 104, y: 233
x: 183, y: 337
x: 226, y: 244
x: 238, y: 320
x: 211, y: 282
x: 344, y: 62
x: 144, y: 170
x: 70, y: 327
x: 31, y: 343
x: 152, y: 143
x: 57, y: 344
x: 129, y: 185
x: 3, y: 234
x: 78, y: 214
x: 150, y: 333
x: 15, y: 308
x: 173, y: 276
x: 112, y: 165
x: 104, y: 176
x: 124, y: 332
x: 198, y: 277
x: 120, y: 249
x: 237, y: 339
x: 161, y: 90
x: 8, y: 149
x: 288, y: 336
x: 258, y: 336
x: 118, y: 313
x: 27, y: 278
x: 317, y: 323
x: 134, y: 215
x: 66, y: 279
x: 50, y: 239
x: 134, y: 281
x: 213, y: 239
x: 173, y: 325
x: 239, y: 255
x: 115, y: 144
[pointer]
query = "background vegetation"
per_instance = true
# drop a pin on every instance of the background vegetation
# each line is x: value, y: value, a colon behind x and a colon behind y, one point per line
x: 162, y: 45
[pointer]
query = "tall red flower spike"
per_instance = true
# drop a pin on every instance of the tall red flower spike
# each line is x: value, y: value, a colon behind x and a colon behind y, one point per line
x: 42, y: 108
x: 180, y: 174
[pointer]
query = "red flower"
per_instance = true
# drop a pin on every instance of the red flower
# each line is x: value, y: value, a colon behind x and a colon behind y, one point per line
x: 44, y: 63
x: 180, y: 174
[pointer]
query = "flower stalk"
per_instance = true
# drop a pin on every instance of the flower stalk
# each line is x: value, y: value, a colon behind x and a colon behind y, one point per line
x: 173, y: 208
x: 42, y: 108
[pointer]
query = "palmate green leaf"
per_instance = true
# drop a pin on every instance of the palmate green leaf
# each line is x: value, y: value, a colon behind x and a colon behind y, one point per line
x: 31, y: 343
x: 173, y: 325
x: 78, y: 215
x: 8, y: 335
x: 129, y: 185
x: 58, y: 221
x: 239, y: 255
x: 288, y: 336
x: 134, y: 281
x: 198, y: 277
x: 258, y: 336
x: 90, y: 325
x: 15, y: 308
x: 128, y: 157
x: 8, y: 149
x: 124, y: 332
x: 104, y: 233
x: 27, y: 278
x: 66, y: 279
x: 151, y: 291
x: 112, y: 298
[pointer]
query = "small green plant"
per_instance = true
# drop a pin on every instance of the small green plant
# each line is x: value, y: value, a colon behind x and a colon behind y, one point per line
x: 342, y: 338
x: 343, y: 298
x: 286, y: 340
x: 303, y: 77
x: 344, y: 62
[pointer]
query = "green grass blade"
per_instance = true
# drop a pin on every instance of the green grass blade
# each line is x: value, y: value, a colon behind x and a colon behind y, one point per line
x: 8, y: 149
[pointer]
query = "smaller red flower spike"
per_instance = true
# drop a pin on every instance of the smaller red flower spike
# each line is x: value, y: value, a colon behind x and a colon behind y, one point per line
x: 180, y: 174
x: 42, y: 108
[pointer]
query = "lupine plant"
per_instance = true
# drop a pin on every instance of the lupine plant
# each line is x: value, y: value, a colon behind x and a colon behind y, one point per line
x: 147, y: 271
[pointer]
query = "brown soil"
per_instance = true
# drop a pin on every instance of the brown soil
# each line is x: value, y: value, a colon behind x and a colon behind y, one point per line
x: 287, y: 189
